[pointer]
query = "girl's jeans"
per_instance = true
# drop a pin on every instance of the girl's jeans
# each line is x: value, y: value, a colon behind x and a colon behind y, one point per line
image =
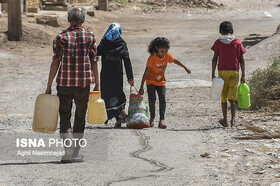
x: 161, y: 90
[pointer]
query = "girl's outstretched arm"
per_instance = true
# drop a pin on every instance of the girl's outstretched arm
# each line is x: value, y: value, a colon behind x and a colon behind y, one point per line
x: 181, y: 65
x: 141, y: 90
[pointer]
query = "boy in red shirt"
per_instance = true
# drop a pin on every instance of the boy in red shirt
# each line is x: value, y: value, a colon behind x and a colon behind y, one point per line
x: 228, y: 50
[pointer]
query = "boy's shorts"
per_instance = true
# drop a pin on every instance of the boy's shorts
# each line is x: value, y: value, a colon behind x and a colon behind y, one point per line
x: 230, y: 90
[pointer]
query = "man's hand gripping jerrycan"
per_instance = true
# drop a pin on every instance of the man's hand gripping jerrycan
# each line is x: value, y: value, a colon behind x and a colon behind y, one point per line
x: 217, y: 88
x: 46, y: 113
x: 96, y: 109
x: 244, y: 96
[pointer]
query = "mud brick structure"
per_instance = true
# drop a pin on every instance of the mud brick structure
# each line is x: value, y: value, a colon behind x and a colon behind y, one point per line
x: 32, y: 3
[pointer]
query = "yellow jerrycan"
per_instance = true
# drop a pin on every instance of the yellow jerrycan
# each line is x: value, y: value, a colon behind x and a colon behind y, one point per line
x: 96, y: 108
x: 46, y: 113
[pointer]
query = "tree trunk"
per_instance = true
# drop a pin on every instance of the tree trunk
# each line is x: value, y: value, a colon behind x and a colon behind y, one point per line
x: 14, y: 20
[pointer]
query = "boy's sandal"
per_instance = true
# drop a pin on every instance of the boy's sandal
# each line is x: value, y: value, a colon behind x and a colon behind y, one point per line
x: 162, y: 125
x: 221, y: 121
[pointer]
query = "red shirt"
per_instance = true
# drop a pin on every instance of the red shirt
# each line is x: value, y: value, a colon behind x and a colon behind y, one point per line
x: 75, y: 47
x: 157, y: 69
x: 229, y: 54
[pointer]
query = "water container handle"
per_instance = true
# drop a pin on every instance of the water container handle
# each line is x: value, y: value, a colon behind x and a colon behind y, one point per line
x: 242, y: 86
x: 131, y: 87
x: 133, y: 95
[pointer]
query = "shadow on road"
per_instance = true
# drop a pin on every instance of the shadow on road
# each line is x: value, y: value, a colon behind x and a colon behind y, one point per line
x: 125, y: 128
x: 205, y: 129
x: 31, y: 163
x: 122, y: 128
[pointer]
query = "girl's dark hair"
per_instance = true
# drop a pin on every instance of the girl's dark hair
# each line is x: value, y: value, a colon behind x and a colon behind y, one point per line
x: 159, y: 42
x: 226, y: 27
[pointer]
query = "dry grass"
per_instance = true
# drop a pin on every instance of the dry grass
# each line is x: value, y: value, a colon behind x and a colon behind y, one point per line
x: 265, y: 86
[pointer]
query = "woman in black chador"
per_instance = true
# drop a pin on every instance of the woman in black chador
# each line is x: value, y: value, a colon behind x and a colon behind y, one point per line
x: 113, y: 50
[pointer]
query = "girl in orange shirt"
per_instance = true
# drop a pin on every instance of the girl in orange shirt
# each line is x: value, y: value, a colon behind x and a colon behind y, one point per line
x: 154, y: 76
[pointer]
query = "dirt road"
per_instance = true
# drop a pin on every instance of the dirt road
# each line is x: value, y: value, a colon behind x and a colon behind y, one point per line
x: 152, y: 156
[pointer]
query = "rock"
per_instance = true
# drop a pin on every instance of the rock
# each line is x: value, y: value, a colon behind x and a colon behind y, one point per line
x: 278, y: 29
x: 224, y: 155
x: 205, y: 154
x: 275, y: 184
x: 56, y: 7
x: 91, y: 13
x: 3, y: 38
x: 249, y: 150
x: 30, y: 15
x: 277, y: 175
x: 136, y: 9
x: 267, y: 15
x: 260, y: 171
x: 48, y: 20
x: 33, y: 10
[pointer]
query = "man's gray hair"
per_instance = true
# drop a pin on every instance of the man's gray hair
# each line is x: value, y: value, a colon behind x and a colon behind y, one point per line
x: 76, y: 14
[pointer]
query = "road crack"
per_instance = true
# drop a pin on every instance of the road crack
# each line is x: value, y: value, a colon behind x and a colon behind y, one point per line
x: 144, y: 142
x: 145, y: 147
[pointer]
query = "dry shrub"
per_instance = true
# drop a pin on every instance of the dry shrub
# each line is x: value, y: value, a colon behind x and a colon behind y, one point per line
x: 265, y: 86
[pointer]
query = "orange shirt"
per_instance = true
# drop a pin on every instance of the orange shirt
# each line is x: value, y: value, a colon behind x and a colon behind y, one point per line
x: 157, y: 69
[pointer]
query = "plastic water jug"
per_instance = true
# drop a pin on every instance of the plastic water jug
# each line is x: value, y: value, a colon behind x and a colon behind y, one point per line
x: 244, y: 96
x: 96, y: 108
x: 217, y: 88
x: 46, y: 113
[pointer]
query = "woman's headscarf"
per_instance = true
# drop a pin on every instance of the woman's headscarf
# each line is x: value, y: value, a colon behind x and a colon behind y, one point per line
x: 114, y: 32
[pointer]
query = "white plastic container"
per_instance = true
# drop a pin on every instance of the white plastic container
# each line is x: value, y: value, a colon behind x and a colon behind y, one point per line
x: 217, y: 88
x: 46, y: 113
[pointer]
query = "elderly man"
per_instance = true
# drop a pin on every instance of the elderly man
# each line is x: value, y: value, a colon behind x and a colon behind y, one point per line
x: 74, y: 53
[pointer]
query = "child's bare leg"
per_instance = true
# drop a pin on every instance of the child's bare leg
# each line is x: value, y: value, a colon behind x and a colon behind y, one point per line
x: 223, y: 121
x: 233, y: 112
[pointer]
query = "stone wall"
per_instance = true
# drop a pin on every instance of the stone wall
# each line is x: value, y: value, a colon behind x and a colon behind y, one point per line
x: 32, y: 3
x: 79, y: 1
x: 35, y: 3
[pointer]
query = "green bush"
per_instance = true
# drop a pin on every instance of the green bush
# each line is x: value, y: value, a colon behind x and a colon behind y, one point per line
x: 265, y: 86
